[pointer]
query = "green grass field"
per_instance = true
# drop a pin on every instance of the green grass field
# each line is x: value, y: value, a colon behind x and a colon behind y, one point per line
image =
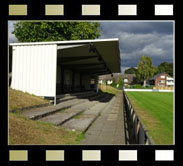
x: 156, y: 112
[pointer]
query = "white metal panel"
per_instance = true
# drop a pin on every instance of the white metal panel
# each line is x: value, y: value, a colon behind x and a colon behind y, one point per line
x: 108, y: 49
x: 34, y: 69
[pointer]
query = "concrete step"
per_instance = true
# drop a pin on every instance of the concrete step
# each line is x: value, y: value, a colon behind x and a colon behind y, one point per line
x: 79, y: 96
x: 74, y: 94
x: 61, y: 117
x: 45, y: 111
x: 85, y: 120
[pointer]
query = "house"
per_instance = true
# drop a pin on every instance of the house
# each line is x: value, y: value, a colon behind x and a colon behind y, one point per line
x: 161, y: 80
x: 128, y: 79
x: 169, y: 81
x: 106, y: 79
x: 48, y: 69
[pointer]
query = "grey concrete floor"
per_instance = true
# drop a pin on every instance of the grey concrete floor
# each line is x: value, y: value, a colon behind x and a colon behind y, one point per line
x: 109, y: 126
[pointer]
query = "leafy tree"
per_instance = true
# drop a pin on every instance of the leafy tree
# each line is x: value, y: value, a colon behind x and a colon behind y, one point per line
x: 131, y: 70
x: 114, y: 84
x: 166, y: 67
x: 145, y: 68
x: 120, y: 83
x: 55, y: 31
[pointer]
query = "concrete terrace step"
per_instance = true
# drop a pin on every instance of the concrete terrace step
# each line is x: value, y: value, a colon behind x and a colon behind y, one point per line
x: 45, y: 111
x: 73, y: 96
x: 61, y: 117
x: 85, y: 120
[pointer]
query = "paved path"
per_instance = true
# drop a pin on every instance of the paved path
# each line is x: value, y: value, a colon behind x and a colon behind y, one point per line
x: 109, y: 126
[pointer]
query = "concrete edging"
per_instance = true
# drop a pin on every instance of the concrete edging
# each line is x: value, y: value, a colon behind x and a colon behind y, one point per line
x: 31, y: 107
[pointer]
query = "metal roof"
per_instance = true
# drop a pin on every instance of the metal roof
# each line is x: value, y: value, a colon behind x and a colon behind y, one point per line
x: 64, y: 42
x: 99, y: 56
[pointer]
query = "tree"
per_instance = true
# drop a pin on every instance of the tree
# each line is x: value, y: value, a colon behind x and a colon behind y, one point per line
x: 120, y: 83
x: 56, y: 31
x: 114, y: 84
x: 131, y: 70
x: 146, y: 69
x: 166, y: 67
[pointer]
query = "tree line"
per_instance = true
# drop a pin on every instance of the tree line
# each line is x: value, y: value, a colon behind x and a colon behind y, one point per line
x: 146, y: 70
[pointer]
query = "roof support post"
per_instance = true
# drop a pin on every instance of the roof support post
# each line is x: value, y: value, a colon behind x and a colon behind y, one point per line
x: 62, y: 79
x: 55, y: 97
x: 73, y: 80
x: 80, y: 82
x: 55, y: 100
x: 96, y: 83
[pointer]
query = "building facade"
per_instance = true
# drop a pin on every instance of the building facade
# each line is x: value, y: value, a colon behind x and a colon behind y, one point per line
x: 161, y: 80
x: 48, y: 69
x: 128, y: 79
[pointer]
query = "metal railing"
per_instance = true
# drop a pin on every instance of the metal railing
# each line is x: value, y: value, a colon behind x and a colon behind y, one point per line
x: 137, y: 131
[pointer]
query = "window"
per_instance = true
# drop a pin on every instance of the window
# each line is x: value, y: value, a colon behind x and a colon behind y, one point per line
x: 162, y: 81
x: 92, y: 81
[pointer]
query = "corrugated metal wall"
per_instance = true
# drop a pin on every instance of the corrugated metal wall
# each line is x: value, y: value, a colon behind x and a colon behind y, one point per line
x: 34, y: 69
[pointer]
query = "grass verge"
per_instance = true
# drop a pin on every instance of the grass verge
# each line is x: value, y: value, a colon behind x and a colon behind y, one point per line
x: 156, y: 112
x: 19, y: 100
x: 109, y: 89
x: 29, y: 132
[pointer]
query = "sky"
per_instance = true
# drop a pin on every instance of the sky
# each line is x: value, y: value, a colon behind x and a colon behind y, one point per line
x: 136, y: 38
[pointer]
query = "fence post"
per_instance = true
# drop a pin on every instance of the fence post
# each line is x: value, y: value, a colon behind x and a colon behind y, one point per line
x: 141, y: 135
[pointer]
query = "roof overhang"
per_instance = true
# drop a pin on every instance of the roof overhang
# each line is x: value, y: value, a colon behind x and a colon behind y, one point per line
x: 95, y: 57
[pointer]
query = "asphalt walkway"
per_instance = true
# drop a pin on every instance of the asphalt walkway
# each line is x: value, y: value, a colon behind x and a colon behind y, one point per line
x: 109, y: 126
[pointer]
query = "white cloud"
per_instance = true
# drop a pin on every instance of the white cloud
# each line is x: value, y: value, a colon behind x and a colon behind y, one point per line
x: 12, y: 38
x: 154, y: 39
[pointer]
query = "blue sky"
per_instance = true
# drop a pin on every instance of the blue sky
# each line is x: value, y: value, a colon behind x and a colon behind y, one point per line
x: 136, y: 38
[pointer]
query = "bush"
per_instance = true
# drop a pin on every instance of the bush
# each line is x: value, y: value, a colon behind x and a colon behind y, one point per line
x: 120, y: 83
x: 139, y: 86
x: 114, y: 84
